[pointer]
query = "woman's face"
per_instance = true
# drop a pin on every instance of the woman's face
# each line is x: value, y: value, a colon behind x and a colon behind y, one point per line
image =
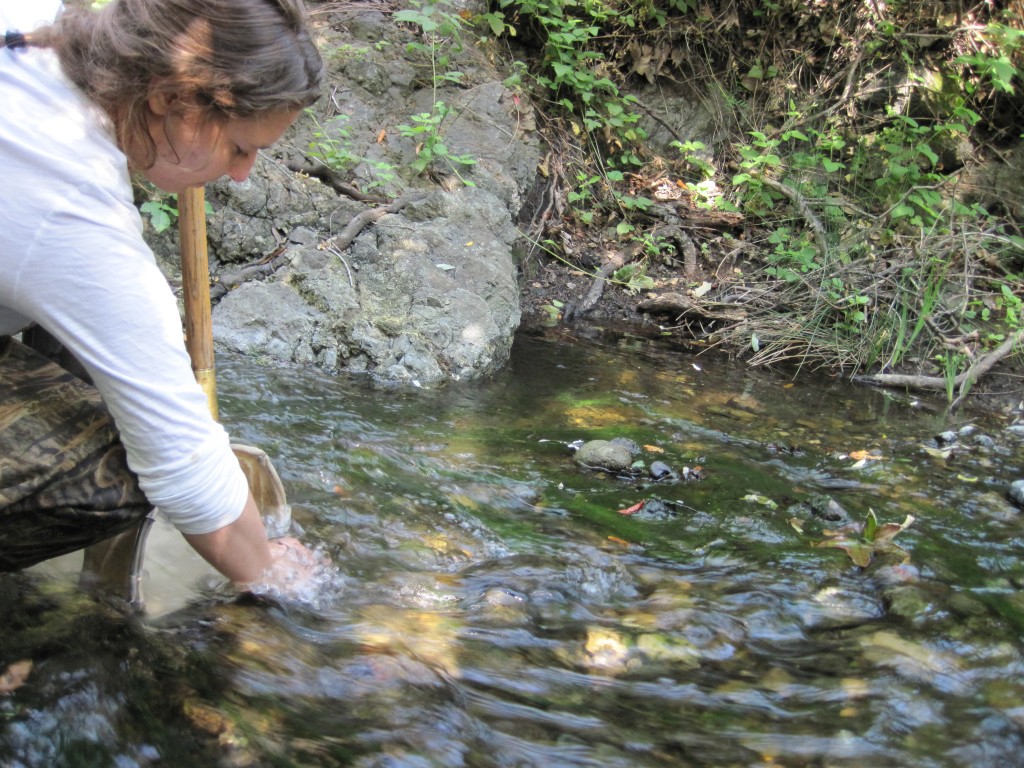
x: 191, y: 152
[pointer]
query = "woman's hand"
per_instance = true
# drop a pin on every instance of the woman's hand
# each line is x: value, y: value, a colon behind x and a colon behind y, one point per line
x: 293, y: 569
x: 283, y: 567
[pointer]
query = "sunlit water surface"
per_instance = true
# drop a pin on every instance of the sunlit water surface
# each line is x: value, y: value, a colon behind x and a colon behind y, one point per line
x: 490, y: 604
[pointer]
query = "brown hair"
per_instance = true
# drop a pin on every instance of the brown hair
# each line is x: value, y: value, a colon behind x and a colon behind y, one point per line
x: 231, y: 58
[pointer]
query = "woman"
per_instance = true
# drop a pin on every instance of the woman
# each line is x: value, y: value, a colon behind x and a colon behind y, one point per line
x: 180, y: 92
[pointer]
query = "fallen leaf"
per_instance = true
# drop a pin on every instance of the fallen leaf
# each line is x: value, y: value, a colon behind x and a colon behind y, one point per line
x: 885, y: 532
x: 701, y: 289
x: 15, y: 676
x: 938, y: 453
x: 764, y: 501
x: 864, y: 456
x: 632, y: 510
x: 859, y: 551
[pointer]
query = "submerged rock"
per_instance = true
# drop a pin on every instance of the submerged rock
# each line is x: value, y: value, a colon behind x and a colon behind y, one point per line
x: 1017, y: 493
x: 660, y: 470
x: 604, y: 454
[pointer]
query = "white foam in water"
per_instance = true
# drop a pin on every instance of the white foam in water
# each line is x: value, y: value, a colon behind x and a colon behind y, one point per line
x: 315, y: 587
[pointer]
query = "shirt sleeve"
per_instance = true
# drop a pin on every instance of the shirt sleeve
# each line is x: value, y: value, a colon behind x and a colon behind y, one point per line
x: 90, y: 279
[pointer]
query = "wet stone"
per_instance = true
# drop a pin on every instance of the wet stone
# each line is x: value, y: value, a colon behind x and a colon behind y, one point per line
x: 984, y: 441
x: 629, y: 445
x: 605, y: 455
x: 909, y: 602
x: 660, y: 470
x: 655, y: 510
x: 1017, y: 493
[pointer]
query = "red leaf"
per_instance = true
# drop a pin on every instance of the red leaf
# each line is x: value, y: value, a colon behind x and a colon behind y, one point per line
x: 632, y: 510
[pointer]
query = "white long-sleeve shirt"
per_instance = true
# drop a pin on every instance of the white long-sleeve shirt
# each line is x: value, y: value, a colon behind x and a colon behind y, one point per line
x: 72, y: 258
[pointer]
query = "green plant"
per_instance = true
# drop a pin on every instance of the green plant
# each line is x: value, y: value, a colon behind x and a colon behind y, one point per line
x: 794, y: 254
x: 995, y: 62
x: 162, y: 210
x: 863, y: 542
x: 952, y: 364
x: 553, y: 311
x: 654, y: 245
x: 851, y: 306
x: 692, y: 152
x: 758, y: 158
x: 426, y: 130
x: 331, y: 144
x: 633, y: 277
x: 574, y: 71
x: 441, y: 32
x: 332, y: 147
x: 587, y: 193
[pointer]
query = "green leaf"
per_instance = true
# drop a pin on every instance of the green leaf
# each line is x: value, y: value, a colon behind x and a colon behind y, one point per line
x: 159, y: 216
x: 870, y: 525
x: 561, y: 70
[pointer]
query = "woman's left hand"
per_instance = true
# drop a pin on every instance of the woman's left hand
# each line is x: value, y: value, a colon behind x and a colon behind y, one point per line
x: 295, y: 570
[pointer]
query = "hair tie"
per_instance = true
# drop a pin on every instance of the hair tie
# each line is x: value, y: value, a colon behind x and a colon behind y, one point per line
x: 14, y: 40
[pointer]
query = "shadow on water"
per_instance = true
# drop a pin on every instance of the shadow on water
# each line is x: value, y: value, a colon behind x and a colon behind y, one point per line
x: 493, y: 606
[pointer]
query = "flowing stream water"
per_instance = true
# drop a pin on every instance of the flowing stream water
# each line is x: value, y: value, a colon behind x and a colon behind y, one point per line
x: 491, y: 603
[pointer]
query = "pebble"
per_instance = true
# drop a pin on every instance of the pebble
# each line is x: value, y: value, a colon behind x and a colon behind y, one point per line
x: 1017, y: 493
x: 659, y: 470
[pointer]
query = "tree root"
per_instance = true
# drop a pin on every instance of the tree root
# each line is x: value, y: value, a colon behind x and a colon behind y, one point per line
x: 336, y: 244
x: 682, y: 307
x: 963, y: 382
x: 576, y: 309
x: 334, y: 180
x: 820, y: 238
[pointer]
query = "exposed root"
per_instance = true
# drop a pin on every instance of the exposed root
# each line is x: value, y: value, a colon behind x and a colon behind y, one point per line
x: 962, y: 383
x: 336, y: 244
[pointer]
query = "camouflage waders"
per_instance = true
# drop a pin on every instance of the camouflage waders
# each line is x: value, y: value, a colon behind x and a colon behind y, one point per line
x: 64, y: 478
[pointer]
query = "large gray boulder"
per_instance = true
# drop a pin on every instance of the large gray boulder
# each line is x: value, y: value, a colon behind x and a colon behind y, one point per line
x: 424, y: 295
